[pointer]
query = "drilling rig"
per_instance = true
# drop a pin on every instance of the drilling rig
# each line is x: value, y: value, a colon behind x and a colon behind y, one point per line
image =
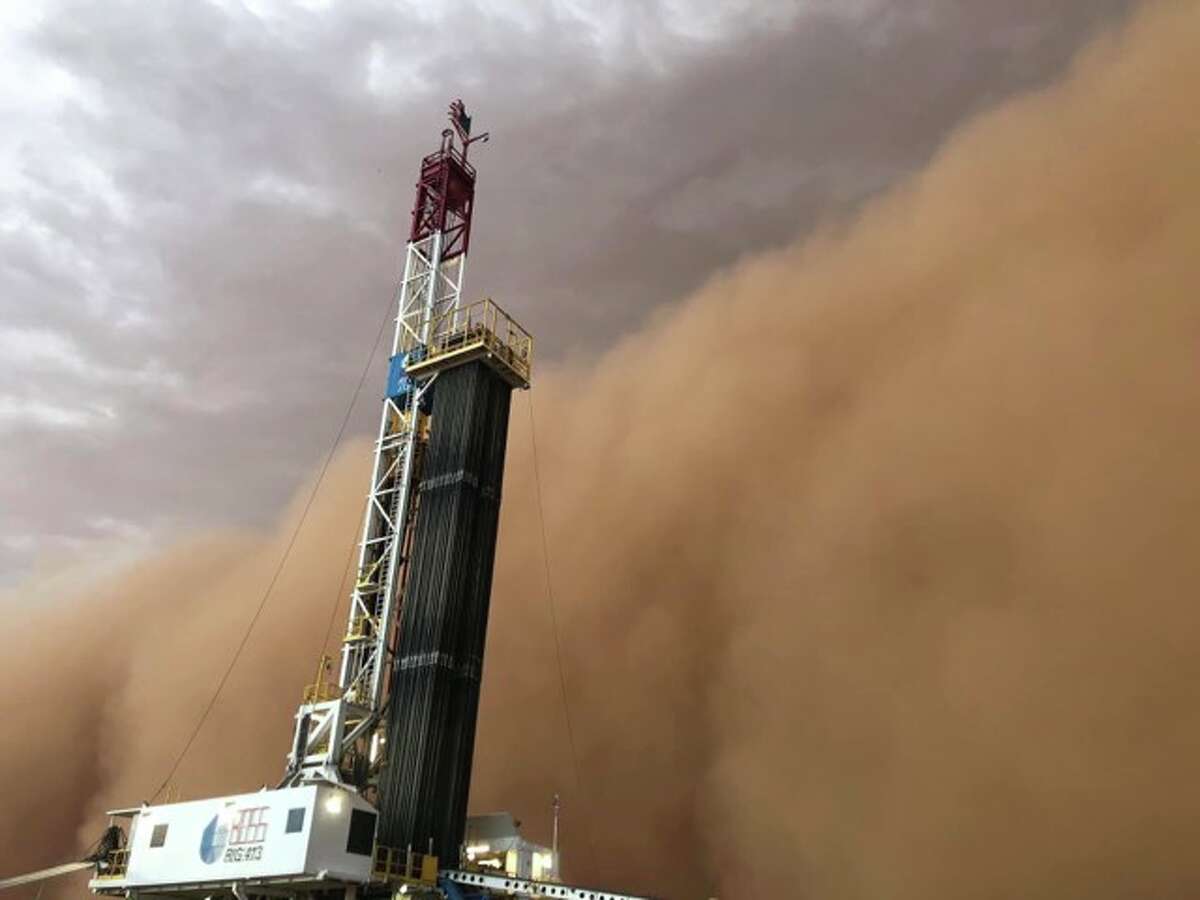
x: 373, y: 799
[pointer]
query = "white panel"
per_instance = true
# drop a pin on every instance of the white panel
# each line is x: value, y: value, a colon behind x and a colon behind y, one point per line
x: 245, y: 837
x: 330, y: 833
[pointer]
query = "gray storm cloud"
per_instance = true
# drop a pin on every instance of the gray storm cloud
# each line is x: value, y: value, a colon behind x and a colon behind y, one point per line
x: 210, y: 220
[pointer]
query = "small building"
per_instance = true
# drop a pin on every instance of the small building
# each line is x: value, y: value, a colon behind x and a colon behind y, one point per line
x: 494, y: 843
x: 302, y: 836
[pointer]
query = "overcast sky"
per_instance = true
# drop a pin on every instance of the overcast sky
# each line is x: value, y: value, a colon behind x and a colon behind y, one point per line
x: 202, y: 207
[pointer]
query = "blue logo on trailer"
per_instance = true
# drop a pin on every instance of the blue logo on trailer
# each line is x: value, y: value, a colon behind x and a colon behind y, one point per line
x: 213, y: 840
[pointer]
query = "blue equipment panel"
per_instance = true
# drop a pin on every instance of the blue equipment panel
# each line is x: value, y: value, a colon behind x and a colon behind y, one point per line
x: 400, y: 385
x: 398, y: 382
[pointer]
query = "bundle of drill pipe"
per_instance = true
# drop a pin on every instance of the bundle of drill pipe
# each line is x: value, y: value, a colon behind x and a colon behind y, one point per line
x: 443, y: 620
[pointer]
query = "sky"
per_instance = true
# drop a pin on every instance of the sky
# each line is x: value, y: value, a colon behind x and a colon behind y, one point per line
x: 202, y: 208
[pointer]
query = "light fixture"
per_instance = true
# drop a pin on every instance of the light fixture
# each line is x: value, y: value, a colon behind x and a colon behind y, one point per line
x: 333, y: 803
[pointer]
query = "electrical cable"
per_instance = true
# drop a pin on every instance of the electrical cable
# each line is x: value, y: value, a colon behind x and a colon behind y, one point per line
x: 341, y: 591
x: 562, y: 678
x: 282, y: 560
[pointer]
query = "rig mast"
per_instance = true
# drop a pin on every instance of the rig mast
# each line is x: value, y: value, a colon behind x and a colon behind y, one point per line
x: 336, y: 720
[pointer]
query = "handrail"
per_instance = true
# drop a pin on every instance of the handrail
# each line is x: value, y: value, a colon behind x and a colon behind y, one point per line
x: 322, y: 692
x: 480, y: 327
x: 394, y: 864
x: 117, y: 865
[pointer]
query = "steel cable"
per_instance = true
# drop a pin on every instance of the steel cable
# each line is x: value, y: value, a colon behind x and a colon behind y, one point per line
x: 262, y: 603
x: 562, y: 677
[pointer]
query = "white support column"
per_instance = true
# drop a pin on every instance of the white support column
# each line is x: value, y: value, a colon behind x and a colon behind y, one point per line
x: 429, y: 297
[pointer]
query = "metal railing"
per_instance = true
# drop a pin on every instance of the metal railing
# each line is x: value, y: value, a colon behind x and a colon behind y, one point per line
x: 481, y: 327
x: 116, y: 865
x: 362, y: 627
x: 394, y: 864
x: 322, y: 692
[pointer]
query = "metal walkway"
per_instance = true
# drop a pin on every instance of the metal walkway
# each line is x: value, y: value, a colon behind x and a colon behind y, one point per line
x: 524, y: 887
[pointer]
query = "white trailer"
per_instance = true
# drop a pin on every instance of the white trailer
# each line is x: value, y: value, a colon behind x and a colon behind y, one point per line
x: 305, y: 837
